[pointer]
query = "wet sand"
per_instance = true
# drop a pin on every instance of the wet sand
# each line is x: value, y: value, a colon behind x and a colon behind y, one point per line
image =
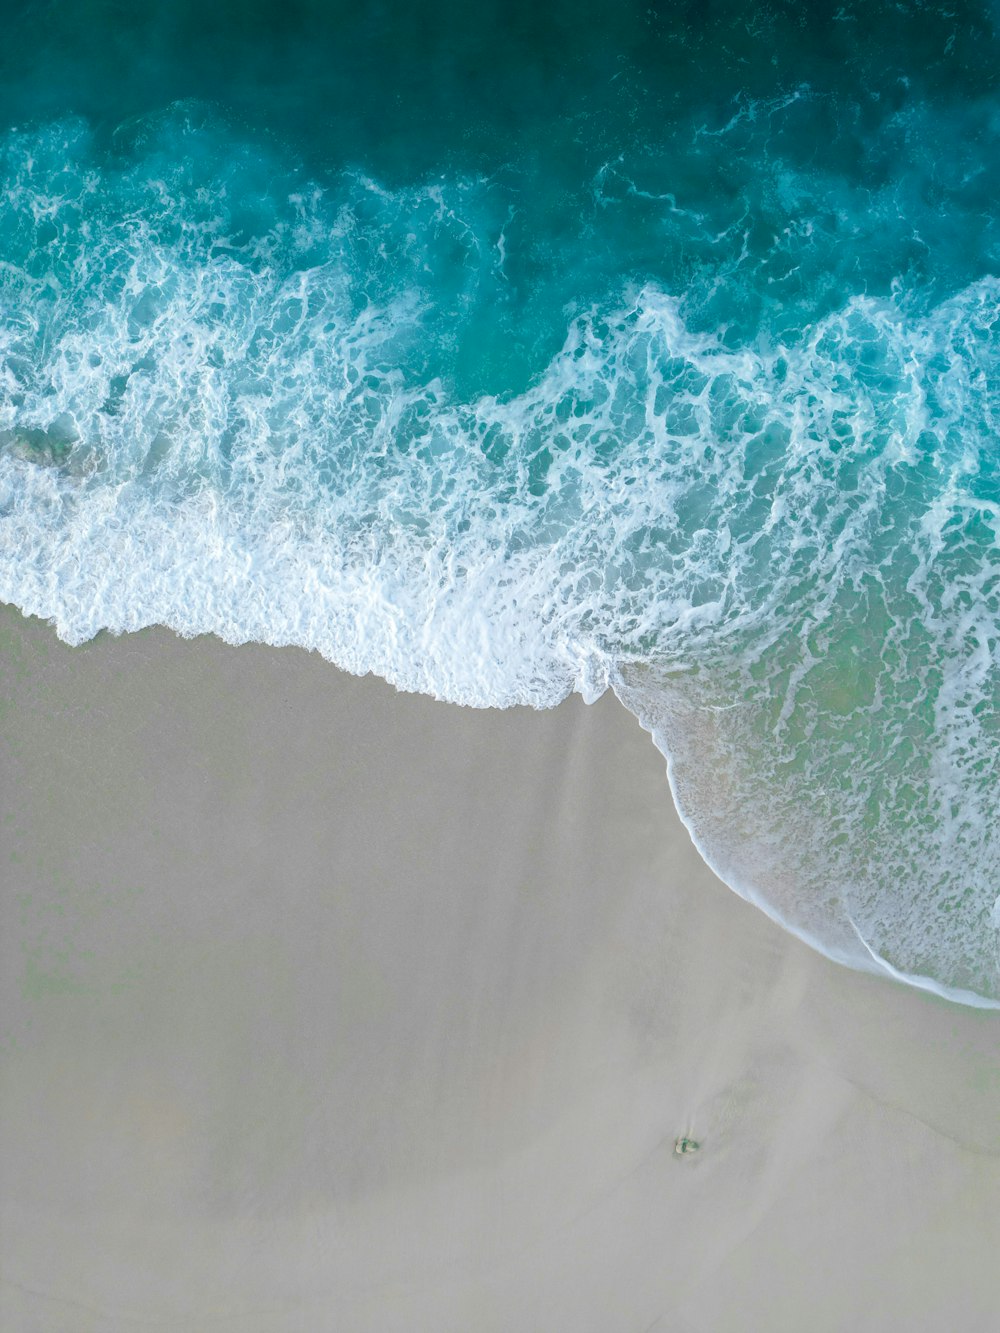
x: 326, y: 1008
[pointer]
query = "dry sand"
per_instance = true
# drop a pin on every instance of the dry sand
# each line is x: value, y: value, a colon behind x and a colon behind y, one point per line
x: 327, y: 1009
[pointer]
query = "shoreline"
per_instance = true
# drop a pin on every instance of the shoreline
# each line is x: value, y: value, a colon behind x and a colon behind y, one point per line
x: 331, y: 1008
x: 868, y: 961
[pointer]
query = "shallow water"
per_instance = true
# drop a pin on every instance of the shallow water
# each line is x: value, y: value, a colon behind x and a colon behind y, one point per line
x: 517, y: 350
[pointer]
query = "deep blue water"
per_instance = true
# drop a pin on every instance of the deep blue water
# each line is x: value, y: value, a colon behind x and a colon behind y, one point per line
x: 514, y: 349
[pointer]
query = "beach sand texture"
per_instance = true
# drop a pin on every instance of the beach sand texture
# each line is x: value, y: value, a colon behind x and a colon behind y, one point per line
x: 326, y: 1008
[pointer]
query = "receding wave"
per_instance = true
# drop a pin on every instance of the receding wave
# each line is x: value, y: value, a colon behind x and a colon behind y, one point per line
x: 237, y: 407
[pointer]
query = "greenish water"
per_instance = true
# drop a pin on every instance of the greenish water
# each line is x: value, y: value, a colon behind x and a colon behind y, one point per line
x: 514, y: 349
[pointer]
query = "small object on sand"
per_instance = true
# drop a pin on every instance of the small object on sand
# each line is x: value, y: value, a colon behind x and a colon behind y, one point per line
x: 684, y: 1145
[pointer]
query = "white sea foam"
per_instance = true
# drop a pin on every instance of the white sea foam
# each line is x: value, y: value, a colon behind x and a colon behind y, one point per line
x: 782, y: 553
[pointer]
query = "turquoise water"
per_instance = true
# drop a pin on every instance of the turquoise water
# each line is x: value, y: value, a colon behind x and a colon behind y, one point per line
x: 513, y: 350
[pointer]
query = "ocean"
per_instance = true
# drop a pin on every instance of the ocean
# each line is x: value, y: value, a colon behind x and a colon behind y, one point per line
x: 507, y: 350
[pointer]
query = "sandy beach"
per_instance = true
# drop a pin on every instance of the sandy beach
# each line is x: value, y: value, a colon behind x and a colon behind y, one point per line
x: 330, y: 1009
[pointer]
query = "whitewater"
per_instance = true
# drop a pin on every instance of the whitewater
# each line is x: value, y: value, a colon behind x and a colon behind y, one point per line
x: 752, y: 486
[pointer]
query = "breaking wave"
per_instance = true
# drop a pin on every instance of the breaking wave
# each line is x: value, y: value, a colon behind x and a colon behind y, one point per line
x: 236, y: 401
